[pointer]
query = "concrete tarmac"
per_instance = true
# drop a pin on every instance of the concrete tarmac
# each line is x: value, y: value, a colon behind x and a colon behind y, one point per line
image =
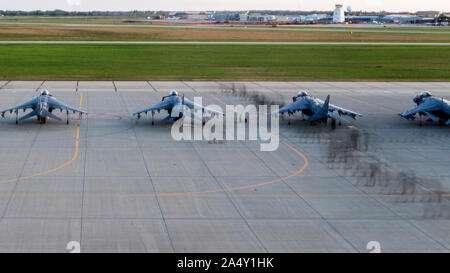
x: 116, y: 184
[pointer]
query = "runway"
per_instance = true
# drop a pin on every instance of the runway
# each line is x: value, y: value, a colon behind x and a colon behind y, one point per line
x: 117, y: 184
x: 222, y: 43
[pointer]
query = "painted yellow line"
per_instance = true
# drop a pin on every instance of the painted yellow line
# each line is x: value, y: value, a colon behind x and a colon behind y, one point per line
x: 256, y: 195
x: 77, y: 142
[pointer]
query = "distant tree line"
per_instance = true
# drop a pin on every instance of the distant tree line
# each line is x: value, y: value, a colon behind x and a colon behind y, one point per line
x: 79, y: 13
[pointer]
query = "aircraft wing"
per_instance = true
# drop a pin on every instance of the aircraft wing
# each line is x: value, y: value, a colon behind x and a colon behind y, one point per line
x: 29, y: 104
x: 54, y: 103
x: 426, y: 106
x: 343, y: 111
x: 194, y: 106
x: 296, y: 106
x: 337, y: 117
x: 163, y: 105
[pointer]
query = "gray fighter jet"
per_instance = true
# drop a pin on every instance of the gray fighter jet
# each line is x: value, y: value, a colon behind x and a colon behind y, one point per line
x: 436, y: 109
x: 174, y: 105
x: 42, y: 106
x: 315, y: 110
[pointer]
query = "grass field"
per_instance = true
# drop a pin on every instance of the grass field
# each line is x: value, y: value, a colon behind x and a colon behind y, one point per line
x: 224, y: 62
x: 117, y: 20
x: 53, y: 33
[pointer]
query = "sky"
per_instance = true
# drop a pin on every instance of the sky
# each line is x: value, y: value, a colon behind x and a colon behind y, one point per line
x: 197, y: 5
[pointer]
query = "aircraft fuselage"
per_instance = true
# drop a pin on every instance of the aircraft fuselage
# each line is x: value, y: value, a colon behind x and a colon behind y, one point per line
x: 442, y: 114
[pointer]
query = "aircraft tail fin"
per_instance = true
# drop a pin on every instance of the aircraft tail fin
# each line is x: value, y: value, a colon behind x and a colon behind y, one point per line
x: 29, y: 115
x: 322, y: 114
x: 326, y: 104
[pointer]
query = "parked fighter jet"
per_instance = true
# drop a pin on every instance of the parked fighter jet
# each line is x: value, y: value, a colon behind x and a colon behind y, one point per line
x: 174, y: 105
x: 316, y: 110
x: 43, y: 106
x: 436, y: 109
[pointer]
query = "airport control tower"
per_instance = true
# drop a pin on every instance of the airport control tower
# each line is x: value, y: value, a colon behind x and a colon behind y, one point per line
x: 338, y: 15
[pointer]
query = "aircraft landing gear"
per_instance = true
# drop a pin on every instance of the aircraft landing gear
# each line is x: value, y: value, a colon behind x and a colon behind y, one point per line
x: 333, y: 124
x: 42, y: 120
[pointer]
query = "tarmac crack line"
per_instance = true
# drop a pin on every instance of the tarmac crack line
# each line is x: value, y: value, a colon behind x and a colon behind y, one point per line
x: 166, y: 229
x: 154, y: 89
x: 40, y: 86
x: 83, y: 195
x: 5, y: 84
x: 236, y: 207
x: 115, y: 87
x: 21, y: 173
